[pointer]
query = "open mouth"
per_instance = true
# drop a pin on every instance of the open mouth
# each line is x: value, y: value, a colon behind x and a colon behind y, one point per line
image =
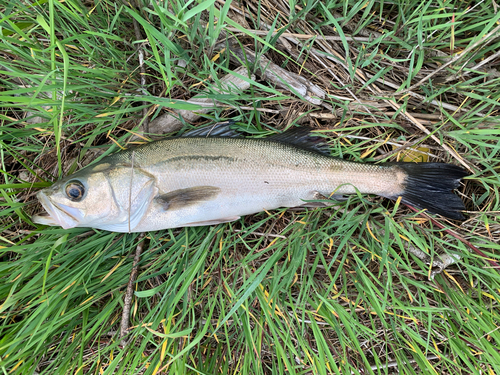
x: 57, y: 214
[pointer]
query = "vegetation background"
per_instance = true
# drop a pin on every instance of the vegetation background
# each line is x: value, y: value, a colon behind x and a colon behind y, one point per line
x: 334, y: 290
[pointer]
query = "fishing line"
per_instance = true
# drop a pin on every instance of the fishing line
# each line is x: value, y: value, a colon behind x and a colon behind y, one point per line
x: 130, y: 190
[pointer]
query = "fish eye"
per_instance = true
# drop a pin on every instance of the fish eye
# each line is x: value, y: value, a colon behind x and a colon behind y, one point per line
x: 75, y: 191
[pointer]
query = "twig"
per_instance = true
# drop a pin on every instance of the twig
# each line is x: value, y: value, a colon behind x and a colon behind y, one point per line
x: 283, y: 78
x: 476, y: 67
x: 316, y: 53
x: 435, y: 103
x: 463, y: 240
x: 396, y: 364
x: 174, y: 120
x: 417, y: 123
x: 130, y: 289
x: 301, y: 36
x: 401, y: 148
x: 140, y: 52
x: 451, y: 151
x: 454, y: 59
x: 261, y: 234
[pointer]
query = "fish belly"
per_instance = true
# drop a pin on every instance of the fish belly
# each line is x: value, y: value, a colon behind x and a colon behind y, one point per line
x: 237, y: 197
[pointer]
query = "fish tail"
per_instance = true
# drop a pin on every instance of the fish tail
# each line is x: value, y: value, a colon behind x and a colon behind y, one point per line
x: 429, y: 186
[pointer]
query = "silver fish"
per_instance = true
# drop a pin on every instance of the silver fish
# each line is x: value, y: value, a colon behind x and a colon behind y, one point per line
x: 212, y: 176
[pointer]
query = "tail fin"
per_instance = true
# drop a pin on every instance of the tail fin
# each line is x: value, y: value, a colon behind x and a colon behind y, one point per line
x: 429, y: 186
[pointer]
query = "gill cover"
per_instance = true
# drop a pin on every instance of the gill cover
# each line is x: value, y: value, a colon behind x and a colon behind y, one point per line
x: 107, y: 197
x: 133, y: 191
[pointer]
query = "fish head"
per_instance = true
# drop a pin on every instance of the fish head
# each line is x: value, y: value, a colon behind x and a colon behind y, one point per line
x: 106, y: 197
x: 79, y: 200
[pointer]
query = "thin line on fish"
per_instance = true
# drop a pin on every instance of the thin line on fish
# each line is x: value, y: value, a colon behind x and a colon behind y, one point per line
x: 213, y: 175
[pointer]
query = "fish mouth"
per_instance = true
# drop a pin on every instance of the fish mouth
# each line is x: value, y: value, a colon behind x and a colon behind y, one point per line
x: 57, y: 213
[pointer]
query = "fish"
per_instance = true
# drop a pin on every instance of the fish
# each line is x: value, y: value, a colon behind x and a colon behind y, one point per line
x: 214, y: 175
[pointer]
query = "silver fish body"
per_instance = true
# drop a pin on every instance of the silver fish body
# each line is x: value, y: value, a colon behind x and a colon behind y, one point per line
x: 191, y: 181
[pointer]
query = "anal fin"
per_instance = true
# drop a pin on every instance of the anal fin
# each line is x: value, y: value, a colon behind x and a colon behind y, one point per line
x: 325, y: 201
x: 212, y: 222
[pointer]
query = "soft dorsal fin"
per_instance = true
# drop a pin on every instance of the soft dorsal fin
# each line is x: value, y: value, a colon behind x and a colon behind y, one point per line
x: 303, y: 138
x: 221, y: 129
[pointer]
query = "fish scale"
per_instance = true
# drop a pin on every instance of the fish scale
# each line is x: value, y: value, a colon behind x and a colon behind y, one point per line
x: 252, y: 175
x: 257, y: 158
x: 200, y: 180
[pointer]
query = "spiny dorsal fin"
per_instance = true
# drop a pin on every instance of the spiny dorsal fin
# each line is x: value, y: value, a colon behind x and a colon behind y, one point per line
x: 303, y: 138
x: 221, y: 129
x: 299, y: 137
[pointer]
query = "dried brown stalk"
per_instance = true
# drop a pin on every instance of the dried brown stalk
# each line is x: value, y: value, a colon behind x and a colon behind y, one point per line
x: 124, y: 324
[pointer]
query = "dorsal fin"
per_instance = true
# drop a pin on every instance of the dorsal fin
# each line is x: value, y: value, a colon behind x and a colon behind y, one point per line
x: 299, y: 137
x: 221, y: 129
x: 303, y: 138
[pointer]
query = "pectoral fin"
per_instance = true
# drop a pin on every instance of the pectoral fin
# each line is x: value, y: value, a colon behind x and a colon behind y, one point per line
x: 183, y: 198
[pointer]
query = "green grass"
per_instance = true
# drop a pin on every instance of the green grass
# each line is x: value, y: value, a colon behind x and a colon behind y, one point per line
x: 324, y: 291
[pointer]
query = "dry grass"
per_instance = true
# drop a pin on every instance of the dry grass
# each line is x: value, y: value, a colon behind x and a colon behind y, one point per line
x: 325, y: 291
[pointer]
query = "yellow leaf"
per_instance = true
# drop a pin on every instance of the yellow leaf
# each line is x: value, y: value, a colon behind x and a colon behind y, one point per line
x: 88, y: 299
x: 115, y: 99
x: 15, y: 367
x: 413, y: 154
x: 216, y: 57
x: 371, y: 233
x: 113, y: 269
